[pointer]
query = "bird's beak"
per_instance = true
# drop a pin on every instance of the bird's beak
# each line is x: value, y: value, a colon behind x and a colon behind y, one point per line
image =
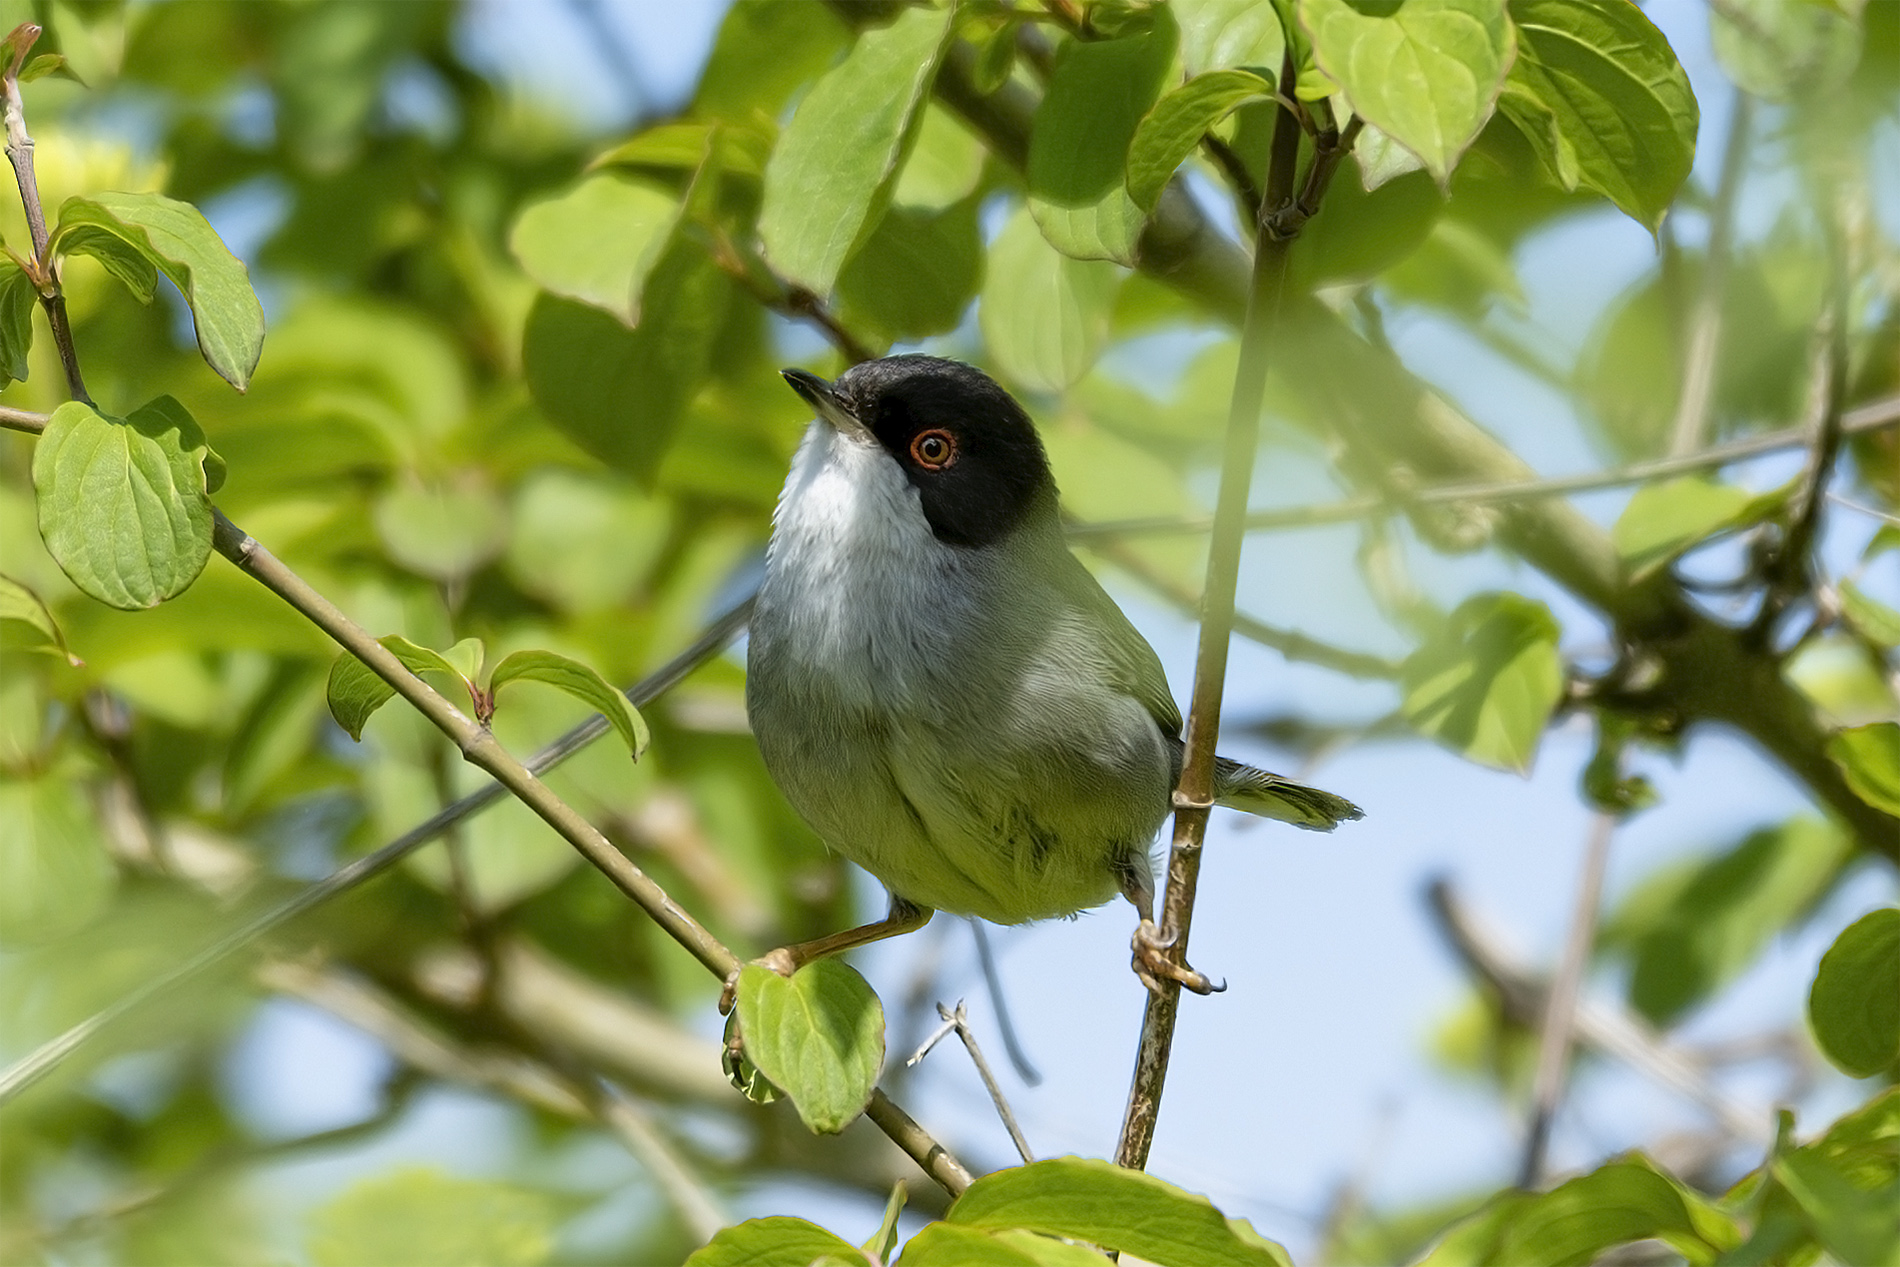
x: 825, y: 402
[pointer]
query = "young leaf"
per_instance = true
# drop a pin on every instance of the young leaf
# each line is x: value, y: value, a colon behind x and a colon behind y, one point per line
x: 17, y: 301
x: 1044, y: 315
x: 597, y: 241
x: 26, y: 622
x: 1486, y: 684
x: 176, y: 239
x: 1168, y: 133
x: 1870, y: 758
x: 818, y: 1035
x: 45, y: 64
x: 1871, y: 618
x: 1095, y: 1201
x: 775, y: 1242
x: 1427, y: 73
x: 1854, y: 1007
x: 884, y: 1240
x: 1665, y: 520
x: 1599, y: 93
x: 55, y: 874
x: 122, y: 501
x: 1627, y: 1200
x: 830, y: 176
x: 583, y: 684
x: 355, y: 692
x: 1078, y: 150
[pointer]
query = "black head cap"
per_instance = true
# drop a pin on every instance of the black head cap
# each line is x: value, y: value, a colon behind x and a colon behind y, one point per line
x: 964, y: 443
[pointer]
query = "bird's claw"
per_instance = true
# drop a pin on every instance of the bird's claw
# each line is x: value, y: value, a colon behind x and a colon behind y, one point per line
x: 779, y: 961
x: 1152, y: 965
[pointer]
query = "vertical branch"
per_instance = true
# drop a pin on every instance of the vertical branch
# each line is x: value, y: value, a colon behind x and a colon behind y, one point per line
x: 1705, y: 329
x: 1194, y: 796
x: 44, y: 275
x: 1560, y: 1005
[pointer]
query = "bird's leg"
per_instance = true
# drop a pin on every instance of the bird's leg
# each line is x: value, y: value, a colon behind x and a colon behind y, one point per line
x: 1150, y: 959
x: 904, y: 917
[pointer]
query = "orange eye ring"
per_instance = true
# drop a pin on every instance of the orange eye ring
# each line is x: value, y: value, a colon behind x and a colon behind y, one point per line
x: 934, y: 449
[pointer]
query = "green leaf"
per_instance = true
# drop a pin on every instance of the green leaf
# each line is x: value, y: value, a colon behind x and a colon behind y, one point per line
x: 1854, y: 1007
x: 597, y: 242
x: 884, y: 1240
x: 818, y: 1035
x: 55, y: 875
x: 1871, y: 618
x: 1854, y: 1224
x: 583, y: 542
x: 583, y: 684
x: 43, y: 65
x: 1627, y: 1200
x: 1693, y: 931
x: 1870, y: 758
x: 26, y: 622
x: 1785, y: 48
x: 765, y: 50
x: 830, y: 176
x: 18, y: 299
x: 1168, y: 133
x: 424, y: 1218
x: 1665, y: 520
x: 916, y: 274
x: 1078, y: 149
x: 682, y: 145
x: 773, y: 1242
x: 1599, y: 93
x: 1486, y: 684
x: 953, y: 1245
x: 944, y: 166
x: 122, y: 504
x: 1217, y: 34
x: 443, y: 532
x: 1085, y: 1199
x: 1044, y: 315
x: 176, y: 239
x: 1363, y: 234
x: 1426, y: 72
x: 124, y: 261
x: 355, y: 691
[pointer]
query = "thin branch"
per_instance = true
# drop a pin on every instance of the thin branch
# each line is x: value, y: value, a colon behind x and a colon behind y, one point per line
x: 958, y: 1022
x: 685, y: 1191
x: 1194, y: 795
x: 44, y: 274
x: 1560, y: 1005
x: 25, y: 420
x: 1610, y: 1030
x: 1705, y: 329
x: 35, y: 1065
x: 1877, y: 415
x: 1861, y: 508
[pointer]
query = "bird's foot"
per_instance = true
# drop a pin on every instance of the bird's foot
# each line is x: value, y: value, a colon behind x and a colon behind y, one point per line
x: 779, y: 961
x: 1152, y: 965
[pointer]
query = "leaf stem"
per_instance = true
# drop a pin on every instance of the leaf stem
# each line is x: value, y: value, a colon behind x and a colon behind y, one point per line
x: 1194, y: 795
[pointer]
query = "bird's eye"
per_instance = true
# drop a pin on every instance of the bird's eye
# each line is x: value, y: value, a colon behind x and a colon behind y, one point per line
x: 934, y: 450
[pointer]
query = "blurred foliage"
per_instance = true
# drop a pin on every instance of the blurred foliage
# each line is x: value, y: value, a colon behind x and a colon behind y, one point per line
x: 521, y: 386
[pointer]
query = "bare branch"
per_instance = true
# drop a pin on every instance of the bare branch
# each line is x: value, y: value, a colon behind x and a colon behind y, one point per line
x: 44, y: 273
x: 1705, y: 324
x: 958, y: 1022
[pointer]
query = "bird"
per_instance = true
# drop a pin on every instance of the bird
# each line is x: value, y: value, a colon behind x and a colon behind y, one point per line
x: 940, y: 688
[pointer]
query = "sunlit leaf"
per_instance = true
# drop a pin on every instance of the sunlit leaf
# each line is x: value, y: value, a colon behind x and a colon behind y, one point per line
x: 1078, y: 150
x: 954, y: 1245
x: 424, y: 1218
x: 122, y: 502
x: 1044, y: 314
x: 596, y: 242
x: 1870, y: 758
x: 773, y: 1242
x: 1871, y: 618
x: 944, y: 164
x: 1217, y: 34
x: 1665, y: 520
x: 1095, y: 1201
x: 1854, y: 1007
x: 682, y: 146
x: 1600, y: 94
x: 883, y: 1242
x: 584, y: 684
x: 818, y: 1035
x: 832, y: 170
x: 764, y: 51
x: 1169, y: 132
x: 1486, y: 685
x: 1852, y: 1223
x: 176, y: 239
x: 1426, y: 73
x: 26, y: 622
x: 355, y: 691
x: 55, y: 875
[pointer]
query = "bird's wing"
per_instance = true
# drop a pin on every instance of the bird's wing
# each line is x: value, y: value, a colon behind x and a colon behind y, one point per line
x: 1132, y: 663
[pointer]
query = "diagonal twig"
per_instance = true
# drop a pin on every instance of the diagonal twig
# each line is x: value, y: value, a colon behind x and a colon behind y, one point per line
x: 958, y: 1023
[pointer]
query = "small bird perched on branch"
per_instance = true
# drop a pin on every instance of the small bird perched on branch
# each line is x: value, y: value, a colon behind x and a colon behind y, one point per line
x: 943, y: 692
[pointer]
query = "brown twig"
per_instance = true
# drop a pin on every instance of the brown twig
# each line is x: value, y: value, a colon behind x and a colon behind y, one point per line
x: 45, y: 274
x: 1194, y: 794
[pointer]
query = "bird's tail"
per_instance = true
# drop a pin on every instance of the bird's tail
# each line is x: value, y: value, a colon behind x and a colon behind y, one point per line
x: 1242, y: 787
